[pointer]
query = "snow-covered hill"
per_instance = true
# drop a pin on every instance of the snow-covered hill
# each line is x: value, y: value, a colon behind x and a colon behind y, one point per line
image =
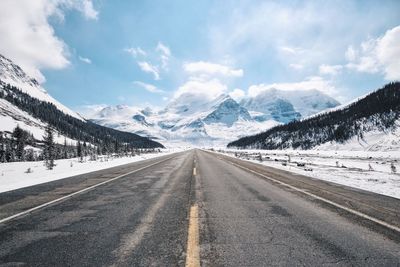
x: 189, y: 118
x: 370, y: 123
x: 286, y: 106
x: 12, y: 74
x: 11, y: 116
x: 24, y: 102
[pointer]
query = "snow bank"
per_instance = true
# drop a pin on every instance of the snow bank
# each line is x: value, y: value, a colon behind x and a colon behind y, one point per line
x: 367, y: 170
x: 14, y: 175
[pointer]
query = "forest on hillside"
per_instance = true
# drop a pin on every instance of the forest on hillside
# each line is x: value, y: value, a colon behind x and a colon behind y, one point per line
x: 378, y: 111
x: 90, y: 136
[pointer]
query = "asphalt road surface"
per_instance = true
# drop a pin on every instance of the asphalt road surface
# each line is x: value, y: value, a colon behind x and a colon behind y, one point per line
x: 197, y: 208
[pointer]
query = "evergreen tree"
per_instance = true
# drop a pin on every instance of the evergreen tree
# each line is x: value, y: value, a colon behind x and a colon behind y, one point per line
x: 20, y: 137
x: 65, y: 149
x: 9, y: 152
x: 116, y: 146
x: 49, y: 148
x: 2, y: 148
x: 30, y: 155
x: 79, y: 150
x: 84, y: 149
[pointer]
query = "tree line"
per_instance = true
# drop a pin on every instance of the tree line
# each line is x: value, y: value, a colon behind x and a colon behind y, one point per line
x: 106, y: 140
x: 20, y: 145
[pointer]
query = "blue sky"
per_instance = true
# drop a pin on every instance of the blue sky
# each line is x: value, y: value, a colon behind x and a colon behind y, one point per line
x: 148, y: 52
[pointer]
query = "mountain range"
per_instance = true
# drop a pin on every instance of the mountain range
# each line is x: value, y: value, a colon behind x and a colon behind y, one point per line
x: 369, y: 123
x: 273, y: 119
x: 189, y: 118
x: 25, y: 103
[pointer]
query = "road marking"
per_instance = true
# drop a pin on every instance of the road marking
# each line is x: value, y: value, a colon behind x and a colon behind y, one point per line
x: 77, y: 192
x: 360, y: 214
x: 193, y: 249
x: 194, y: 171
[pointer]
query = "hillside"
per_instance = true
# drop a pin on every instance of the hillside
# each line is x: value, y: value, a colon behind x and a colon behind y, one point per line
x: 377, y: 115
x: 65, y: 124
x: 12, y: 74
x: 25, y: 106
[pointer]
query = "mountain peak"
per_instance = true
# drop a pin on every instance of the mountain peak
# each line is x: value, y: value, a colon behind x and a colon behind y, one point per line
x: 286, y: 106
x: 11, y: 73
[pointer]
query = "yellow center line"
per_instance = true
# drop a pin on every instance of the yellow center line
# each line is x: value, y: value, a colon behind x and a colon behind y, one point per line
x: 193, y: 250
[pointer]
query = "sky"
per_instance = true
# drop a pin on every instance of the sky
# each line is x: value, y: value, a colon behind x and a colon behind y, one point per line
x: 88, y: 54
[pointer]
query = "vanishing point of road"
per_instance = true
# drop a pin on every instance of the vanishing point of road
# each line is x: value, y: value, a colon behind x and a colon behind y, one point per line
x: 197, y: 208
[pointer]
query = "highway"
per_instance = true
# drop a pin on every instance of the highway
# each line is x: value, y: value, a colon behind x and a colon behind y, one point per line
x: 197, y: 208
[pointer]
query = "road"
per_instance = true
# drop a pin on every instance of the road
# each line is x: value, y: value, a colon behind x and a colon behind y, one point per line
x: 197, y: 208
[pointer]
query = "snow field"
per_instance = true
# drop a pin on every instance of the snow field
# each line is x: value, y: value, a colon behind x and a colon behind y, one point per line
x: 366, y: 170
x: 15, y: 175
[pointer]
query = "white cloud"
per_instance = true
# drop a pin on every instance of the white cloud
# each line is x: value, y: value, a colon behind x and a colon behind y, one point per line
x: 363, y: 59
x: 388, y: 53
x: 88, y: 10
x: 310, y: 83
x: 301, y: 33
x: 88, y: 111
x: 147, y: 67
x: 351, y: 53
x: 148, y: 87
x: 237, y: 94
x: 208, y: 68
x: 291, y: 50
x: 165, y: 54
x: 135, y: 52
x: 296, y: 66
x: 205, y: 83
x: 28, y: 38
x: 163, y: 49
x: 205, y: 89
x: 367, y: 64
x: 377, y: 55
x: 85, y: 60
x: 161, y: 57
x: 330, y: 69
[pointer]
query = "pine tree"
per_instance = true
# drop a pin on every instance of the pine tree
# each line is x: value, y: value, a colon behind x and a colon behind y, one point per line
x: 30, y: 155
x: 20, y: 137
x: 116, y: 147
x: 79, y: 151
x: 9, y: 152
x: 49, y: 148
x: 2, y: 148
x: 84, y: 149
x: 65, y: 149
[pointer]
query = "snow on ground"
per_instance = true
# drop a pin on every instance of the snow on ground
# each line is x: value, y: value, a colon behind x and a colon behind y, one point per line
x: 367, y: 170
x: 14, y: 175
x: 371, y: 141
x: 11, y: 116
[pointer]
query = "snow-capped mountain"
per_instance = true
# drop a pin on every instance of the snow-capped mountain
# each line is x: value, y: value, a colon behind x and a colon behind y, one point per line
x: 285, y: 106
x: 193, y: 119
x: 24, y: 102
x: 10, y: 115
x: 370, y: 123
x: 12, y: 74
x: 185, y: 120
